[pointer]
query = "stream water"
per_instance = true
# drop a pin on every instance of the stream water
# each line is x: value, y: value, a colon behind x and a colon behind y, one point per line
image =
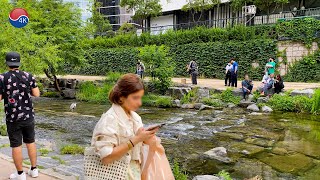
x: 275, y: 146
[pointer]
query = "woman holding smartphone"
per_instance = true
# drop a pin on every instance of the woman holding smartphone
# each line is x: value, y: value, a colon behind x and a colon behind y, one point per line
x: 120, y: 131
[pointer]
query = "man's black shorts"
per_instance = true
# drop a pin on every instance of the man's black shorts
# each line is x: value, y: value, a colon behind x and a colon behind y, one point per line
x: 21, y: 130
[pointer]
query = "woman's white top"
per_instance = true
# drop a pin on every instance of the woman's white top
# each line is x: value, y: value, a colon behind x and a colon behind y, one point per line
x: 115, y: 128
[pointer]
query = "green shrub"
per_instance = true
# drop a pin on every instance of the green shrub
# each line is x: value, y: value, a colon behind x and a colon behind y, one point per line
x: 157, y: 61
x: 228, y: 97
x: 316, y: 102
x: 178, y: 173
x: 113, y: 77
x: 291, y: 104
x: 164, y: 102
x: 305, y: 70
x: 3, y: 129
x: 225, y: 175
x: 93, y: 93
x: 211, y: 102
x: 212, y: 57
x: 156, y: 101
x: 72, y: 149
x: 189, y: 97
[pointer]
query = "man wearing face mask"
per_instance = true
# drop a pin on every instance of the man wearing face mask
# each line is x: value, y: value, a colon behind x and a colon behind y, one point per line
x: 270, y: 66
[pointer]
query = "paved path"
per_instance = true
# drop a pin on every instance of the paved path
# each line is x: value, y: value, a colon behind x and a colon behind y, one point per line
x: 8, y: 167
x: 211, y: 83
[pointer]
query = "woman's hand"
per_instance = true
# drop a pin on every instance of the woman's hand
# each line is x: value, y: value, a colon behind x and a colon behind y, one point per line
x: 143, y: 135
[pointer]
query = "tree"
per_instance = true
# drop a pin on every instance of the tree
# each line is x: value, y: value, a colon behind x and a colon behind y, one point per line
x: 143, y: 8
x: 199, y: 6
x: 50, y: 42
x: 100, y: 25
x: 127, y: 28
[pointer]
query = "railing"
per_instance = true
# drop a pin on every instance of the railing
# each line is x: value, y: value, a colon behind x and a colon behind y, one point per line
x: 230, y: 22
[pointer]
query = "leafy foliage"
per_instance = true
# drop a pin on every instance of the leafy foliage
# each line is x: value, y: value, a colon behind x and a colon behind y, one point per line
x: 291, y: 103
x: 228, y: 97
x: 305, y: 70
x: 93, y: 93
x: 306, y: 30
x: 199, y: 6
x: 211, y: 102
x: 143, y: 8
x: 3, y: 129
x: 213, y: 57
x: 160, y: 65
x: 316, y: 102
x: 127, y: 28
x: 154, y: 100
x: 225, y: 175
x: 99, y: 23
x: 177, y: 172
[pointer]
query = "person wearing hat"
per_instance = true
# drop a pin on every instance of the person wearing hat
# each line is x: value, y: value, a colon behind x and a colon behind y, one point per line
x: 16, y: 88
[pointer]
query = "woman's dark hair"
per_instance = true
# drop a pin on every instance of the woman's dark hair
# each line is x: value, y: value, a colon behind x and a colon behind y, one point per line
x: 126, y: 85
x: 278, y: 77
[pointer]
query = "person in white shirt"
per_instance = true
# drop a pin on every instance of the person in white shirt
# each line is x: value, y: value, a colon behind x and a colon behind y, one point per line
x: 228, y: 74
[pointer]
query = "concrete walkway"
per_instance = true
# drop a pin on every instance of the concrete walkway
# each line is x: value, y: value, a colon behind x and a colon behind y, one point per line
x: 210, y: 83
x: 8, y: 167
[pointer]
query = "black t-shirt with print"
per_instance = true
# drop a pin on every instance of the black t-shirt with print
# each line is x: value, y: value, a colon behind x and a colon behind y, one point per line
x: 18, y: 93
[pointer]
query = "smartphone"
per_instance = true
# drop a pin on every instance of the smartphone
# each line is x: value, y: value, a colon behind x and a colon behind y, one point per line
x: 153, y: 127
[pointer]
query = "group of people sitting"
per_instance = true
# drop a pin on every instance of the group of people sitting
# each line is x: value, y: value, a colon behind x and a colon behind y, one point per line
x: 268, y: 82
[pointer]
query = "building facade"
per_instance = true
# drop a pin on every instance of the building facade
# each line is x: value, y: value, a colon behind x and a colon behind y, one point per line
x: 223, y: 15
x: 116, y: 14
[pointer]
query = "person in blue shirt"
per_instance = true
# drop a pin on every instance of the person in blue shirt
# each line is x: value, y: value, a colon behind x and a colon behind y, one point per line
x: 234, y: 73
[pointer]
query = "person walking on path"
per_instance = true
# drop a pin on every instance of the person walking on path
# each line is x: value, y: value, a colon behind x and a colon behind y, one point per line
x: 229, y: 68
x: 16, y: 89
x: 193, y: 71
x: 140, y: 69
x: 234, y: 73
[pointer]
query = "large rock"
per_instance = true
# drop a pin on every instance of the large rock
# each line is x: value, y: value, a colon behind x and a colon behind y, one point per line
x: 231, y: 105
x: 266, y: 109
x: 219, y: 154
x: 176, y: 103
x: 253, y: 107
x: 245, y: 103
x: 237, y: 92
x: 187, y: 106
x: 178, y: 92
x: 203, y: 93
x: 305, y: 92
x: 198, y: 105
x: 262, y: 100
x: 69, y: 93
x: 206, y: 177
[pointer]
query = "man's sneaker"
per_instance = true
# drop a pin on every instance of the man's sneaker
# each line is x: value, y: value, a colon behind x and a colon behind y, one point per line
x: 33, y: 173
x: 16, y: 176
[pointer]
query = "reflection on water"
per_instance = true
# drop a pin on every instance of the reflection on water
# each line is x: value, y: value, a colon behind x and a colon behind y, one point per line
x: 276, y: 146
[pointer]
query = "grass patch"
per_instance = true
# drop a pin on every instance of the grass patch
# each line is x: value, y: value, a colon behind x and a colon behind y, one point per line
x: 228, y: 97
x: 44, y: 152
x: 93, y: 93
x: 40, y: 167
x: 211, y: 102
x: 190, y: 97
x: 113, y: 77
x: 72, y: 149
x: 5, y: 145
x: 3, y: 129
x: 157, y: 101
x: 61, y: 161
x: 51, y: 94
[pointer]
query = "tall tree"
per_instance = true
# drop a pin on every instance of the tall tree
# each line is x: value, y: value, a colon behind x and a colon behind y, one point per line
x: 199, y: 6
x: 143, y: 9
x: 51, y: 39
